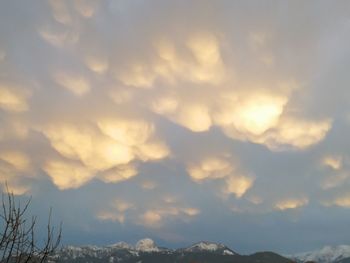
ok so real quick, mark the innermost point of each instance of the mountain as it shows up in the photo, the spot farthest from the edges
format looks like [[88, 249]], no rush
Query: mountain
[[209, 247], [328, 254], [146, 251]]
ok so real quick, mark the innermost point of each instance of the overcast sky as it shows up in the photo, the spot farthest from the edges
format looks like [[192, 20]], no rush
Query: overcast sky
[[181, 121]]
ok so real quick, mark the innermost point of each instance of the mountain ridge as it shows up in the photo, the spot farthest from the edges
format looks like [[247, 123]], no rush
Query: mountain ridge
[[327, 254], [146, 251]]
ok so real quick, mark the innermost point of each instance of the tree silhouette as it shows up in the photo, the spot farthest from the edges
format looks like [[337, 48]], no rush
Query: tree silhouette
[[18, 242]]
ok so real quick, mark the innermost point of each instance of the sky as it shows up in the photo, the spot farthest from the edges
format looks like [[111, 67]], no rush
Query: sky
[[181, 120]]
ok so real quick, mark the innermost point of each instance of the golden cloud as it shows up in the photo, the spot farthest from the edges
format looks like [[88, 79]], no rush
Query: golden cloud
[[151, 219], [105, 151], [195, 117], [127, 131], [342, 201], [210, 168], [14, 172], [334, 162], [12, 98], [19, 160], [251, 114], [238, 185], [204, 65], [137, 75], [118, 174], [206, 50], [299, 133], [291, 203], [87, 145], [66, 174], [155, 218]]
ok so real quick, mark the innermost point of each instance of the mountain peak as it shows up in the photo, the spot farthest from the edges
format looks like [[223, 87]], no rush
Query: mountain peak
[[146, 245], [210, 247]]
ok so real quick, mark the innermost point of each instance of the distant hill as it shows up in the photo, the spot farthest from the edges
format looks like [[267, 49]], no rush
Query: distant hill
[[146, 251]]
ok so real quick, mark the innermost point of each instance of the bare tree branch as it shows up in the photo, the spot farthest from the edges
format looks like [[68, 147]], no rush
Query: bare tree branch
[[17, 234]]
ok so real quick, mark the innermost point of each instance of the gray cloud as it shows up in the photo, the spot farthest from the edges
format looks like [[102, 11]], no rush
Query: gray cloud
[[165, 118]]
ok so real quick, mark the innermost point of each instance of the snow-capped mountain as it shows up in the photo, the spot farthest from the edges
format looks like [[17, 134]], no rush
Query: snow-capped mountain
[[146, 245], [146, 251], [327, 254], [210, 247]]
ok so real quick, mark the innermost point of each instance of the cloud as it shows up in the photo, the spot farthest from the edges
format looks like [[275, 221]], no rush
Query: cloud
[[129, 132], [151, 219], [86, 8], [251, 114], [72, 82], [88, 146], [67, 175], [137, 134], [210, 168], [156, 218], [121, 207], [337, 171], [334, 180], [149, 185], [109, 216], [230, 103], [203, 64], [153, 216], [118, 174], [15, 171], [334, 162], [341, 201], [12, 98], [224, 168], [194, 117], [18, 160], [110, 152], [58, 37], [238, 185], [97, 63], [61, 12], [300, 133], [292, 203]]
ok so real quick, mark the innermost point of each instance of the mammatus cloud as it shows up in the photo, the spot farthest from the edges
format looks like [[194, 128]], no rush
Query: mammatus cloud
[[154, 217], [171, 97], [107, 149], [223, 167], [74, 83]]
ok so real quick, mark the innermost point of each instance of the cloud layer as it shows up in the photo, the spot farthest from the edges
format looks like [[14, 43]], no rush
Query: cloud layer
[[184, 104]]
